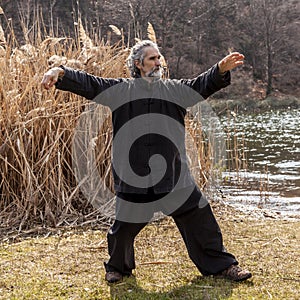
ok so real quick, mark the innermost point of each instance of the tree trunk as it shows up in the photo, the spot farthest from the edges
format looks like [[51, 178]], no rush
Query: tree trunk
[[269, 68]]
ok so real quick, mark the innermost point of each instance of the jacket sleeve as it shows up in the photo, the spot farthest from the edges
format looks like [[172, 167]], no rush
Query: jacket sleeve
[[84, 84], [208, 82]]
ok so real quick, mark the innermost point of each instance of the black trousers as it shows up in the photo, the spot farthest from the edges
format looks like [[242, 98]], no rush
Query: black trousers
[[199, 230]]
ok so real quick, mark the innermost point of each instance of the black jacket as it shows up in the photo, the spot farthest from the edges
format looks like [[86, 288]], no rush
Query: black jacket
[[148, 119]]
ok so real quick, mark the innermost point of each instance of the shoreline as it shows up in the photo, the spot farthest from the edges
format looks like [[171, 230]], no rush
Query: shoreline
[[252, 106], [251, 212]]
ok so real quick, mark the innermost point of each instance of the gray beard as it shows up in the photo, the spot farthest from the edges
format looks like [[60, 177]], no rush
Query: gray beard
[[155, 73]]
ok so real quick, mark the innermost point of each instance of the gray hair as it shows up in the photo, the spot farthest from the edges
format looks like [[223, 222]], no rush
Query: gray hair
[[137, 53]]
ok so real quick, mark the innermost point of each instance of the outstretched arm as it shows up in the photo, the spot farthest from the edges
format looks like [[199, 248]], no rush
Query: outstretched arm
[[217, 77], [230, 62], [77, 82]]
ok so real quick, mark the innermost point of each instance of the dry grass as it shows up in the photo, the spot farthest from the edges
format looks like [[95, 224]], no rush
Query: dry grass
[[69, 263], [38, 186]]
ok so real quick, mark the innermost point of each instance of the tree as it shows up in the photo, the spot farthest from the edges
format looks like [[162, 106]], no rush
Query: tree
[[265, 37]]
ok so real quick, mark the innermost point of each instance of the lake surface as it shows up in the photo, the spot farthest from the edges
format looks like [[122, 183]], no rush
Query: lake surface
[[263, 166]]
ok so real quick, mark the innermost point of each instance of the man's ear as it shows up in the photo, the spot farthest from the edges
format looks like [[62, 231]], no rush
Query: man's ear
[[137, 64]]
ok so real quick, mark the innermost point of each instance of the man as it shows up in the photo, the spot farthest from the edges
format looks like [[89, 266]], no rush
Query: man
[[173, 191]]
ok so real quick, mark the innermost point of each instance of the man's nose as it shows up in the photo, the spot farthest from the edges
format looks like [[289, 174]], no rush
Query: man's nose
[[157, 62]]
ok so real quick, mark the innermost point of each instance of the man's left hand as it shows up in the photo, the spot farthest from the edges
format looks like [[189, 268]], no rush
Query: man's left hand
[[230, 62]]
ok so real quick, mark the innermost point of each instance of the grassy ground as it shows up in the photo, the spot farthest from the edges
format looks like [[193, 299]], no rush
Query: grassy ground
[[69, 263]]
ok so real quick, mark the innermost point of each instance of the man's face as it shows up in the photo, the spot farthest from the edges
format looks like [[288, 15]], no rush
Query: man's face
[[150, 66]]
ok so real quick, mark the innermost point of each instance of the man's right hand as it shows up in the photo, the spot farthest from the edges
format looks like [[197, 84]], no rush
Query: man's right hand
[[51, 77]]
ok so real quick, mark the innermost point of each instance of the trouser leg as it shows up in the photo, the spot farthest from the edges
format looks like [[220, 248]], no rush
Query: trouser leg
[[120, 238], [203, 238], [121, 235]]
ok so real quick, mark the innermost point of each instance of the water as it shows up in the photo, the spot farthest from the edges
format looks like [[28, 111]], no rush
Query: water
[[268, 147]]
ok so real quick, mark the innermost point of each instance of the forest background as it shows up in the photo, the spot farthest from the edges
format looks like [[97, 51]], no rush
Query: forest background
[[193, 35]]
